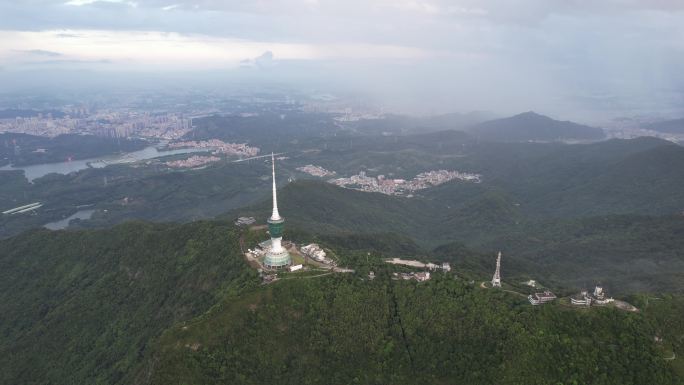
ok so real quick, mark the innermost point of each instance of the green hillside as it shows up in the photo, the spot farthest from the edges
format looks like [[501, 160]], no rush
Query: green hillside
[[639, 176], [345, 330], [629, 253], [176, 304], [83, 307]]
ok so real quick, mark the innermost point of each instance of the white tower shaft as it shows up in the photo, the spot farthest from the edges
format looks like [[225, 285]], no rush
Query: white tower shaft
[[274, 215], [276, 245], [496, 280]]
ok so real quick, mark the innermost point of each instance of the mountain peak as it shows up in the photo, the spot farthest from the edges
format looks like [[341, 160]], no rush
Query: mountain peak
[[531, 126], [530, 113]]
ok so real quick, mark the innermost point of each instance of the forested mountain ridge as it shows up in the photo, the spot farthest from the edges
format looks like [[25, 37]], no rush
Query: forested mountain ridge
[[530, 126], [638, 176], [176, 304], [343, 329]]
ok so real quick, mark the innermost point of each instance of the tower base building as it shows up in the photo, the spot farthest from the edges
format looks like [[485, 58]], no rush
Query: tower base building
[[277, 256]]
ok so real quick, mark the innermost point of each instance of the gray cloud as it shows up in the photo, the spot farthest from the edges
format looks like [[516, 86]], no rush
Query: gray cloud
[[570, 57], [265, 60], [39, 52]]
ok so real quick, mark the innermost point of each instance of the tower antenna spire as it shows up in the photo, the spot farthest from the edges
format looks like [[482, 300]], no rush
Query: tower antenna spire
[[275, 215]]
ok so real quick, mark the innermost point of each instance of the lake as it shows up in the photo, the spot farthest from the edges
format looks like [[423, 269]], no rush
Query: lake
[[38, 170], [64, 223]]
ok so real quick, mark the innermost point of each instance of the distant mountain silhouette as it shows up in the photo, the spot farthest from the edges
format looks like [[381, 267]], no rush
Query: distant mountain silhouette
[[530, 126], [405, 124], [675, 126]]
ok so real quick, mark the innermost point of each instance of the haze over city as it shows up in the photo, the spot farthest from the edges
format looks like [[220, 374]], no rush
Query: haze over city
[[582, 60], [342, 192]]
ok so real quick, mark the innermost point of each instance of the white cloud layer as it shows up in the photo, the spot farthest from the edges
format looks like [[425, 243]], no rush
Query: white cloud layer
[[616, 55], [174, 51]]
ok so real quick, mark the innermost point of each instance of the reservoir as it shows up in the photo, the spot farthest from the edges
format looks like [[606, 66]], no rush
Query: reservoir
[[38, 170], [64, 223]]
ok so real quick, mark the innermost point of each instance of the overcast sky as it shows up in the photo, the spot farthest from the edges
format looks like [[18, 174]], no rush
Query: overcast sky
[[576, 59]]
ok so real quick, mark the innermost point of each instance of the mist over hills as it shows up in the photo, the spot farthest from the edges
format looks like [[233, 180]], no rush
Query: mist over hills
[[675, 126], [530, 126], [278, 126], [403, 124]]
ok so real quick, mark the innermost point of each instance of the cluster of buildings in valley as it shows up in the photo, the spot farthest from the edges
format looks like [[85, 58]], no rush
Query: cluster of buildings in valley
[[401, 186], [348, 114], [630, 128], [434, 178], [315, 170], [116, 124], [219, 147], [192, 162]]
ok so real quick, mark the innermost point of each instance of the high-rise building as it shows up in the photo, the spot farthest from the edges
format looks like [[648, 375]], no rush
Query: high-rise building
[[496, 280], [277, 256]]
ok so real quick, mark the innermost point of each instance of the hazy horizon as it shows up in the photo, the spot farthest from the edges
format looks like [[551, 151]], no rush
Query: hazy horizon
[[571, 60]]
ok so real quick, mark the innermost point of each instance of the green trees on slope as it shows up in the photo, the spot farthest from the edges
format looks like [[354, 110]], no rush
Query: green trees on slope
[[83, 307], [345, 330]]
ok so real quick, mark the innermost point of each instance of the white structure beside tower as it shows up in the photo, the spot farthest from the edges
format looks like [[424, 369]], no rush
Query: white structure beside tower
[[496, 280]]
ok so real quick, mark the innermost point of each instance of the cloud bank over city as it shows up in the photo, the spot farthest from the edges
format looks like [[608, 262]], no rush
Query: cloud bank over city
[[575, 58]]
